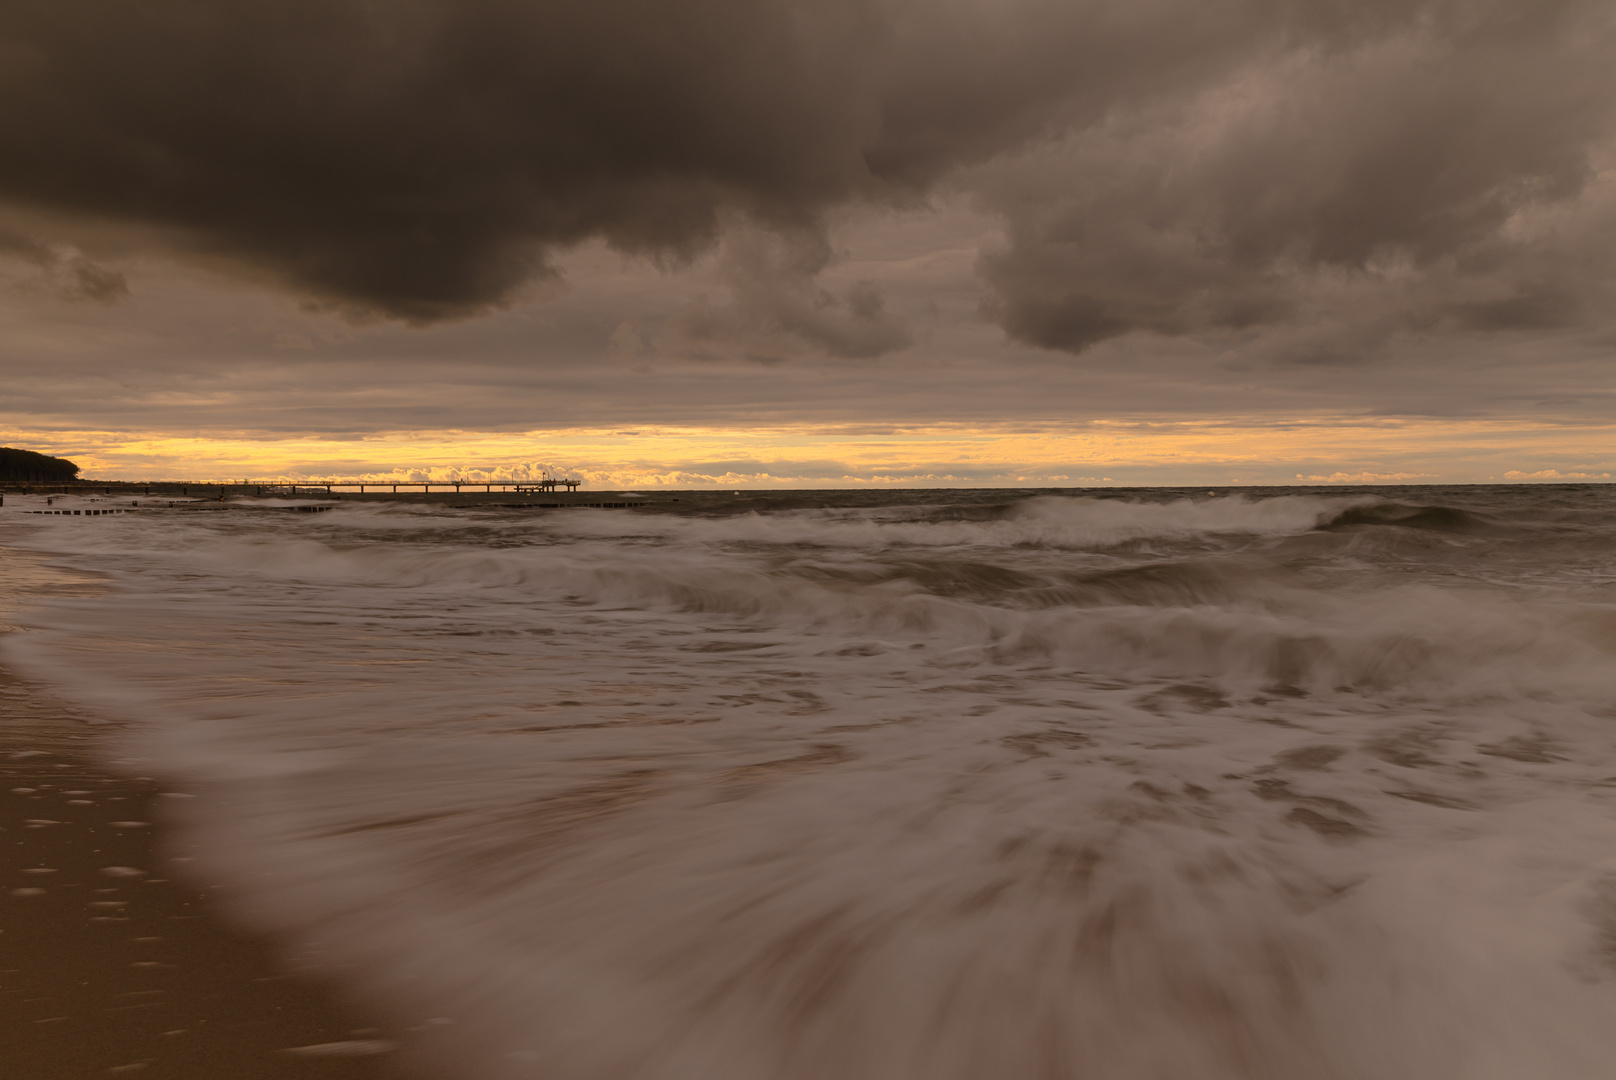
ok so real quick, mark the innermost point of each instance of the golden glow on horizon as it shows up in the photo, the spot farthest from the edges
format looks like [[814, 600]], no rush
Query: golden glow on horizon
[[1139, 451]]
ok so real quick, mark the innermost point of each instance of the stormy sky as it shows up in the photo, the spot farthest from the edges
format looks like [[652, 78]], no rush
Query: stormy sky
[[763, 241]]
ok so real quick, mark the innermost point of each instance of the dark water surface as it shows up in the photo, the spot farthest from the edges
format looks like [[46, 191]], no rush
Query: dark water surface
[[1127, 785]]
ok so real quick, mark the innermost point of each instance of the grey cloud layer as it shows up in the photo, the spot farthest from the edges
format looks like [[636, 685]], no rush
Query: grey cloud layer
[[1412, 180], [69, 276], [777, 302], [1163, 165]]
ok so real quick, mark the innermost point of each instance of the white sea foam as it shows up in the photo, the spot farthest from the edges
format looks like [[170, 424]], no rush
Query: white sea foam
[[1298, 787]]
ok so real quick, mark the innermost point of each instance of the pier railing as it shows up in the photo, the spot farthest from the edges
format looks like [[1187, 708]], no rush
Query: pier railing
[[364, 486]]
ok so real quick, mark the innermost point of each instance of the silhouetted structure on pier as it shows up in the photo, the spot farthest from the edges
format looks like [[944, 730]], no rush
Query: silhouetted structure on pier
[[27, 467]]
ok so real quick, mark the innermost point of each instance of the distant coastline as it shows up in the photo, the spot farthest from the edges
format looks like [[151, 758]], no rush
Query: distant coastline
[[27, 466]]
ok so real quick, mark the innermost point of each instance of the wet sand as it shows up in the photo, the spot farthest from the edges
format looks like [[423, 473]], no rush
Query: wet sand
[[112, 960]]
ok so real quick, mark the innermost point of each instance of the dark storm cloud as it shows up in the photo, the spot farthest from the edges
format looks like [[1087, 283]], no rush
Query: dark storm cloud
[[418, 157], [423, 158]]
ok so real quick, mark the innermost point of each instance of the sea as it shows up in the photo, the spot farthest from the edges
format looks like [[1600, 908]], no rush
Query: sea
[[1263, 784]]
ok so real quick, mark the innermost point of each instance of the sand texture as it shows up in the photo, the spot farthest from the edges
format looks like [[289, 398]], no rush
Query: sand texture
[[111, 962]]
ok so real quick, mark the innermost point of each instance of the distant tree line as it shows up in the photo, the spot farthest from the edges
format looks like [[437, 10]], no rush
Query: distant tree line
[[27, 466]]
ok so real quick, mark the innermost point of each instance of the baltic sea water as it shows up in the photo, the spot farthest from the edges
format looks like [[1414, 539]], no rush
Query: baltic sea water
[[1124, 785]]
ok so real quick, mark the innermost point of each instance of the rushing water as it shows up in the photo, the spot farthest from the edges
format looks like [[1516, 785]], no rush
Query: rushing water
[[921, 786]]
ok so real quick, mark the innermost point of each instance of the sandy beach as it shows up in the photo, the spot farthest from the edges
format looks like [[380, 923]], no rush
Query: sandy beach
[[112, 961]]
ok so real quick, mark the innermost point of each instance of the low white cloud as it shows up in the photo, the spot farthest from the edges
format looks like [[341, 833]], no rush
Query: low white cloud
[[1555, 474], [1363, 478]]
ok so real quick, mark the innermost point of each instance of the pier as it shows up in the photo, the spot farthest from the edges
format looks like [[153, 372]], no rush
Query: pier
[[309, 486]]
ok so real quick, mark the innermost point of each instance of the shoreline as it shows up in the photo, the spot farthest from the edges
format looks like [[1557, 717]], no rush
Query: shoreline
[[112, 962]]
